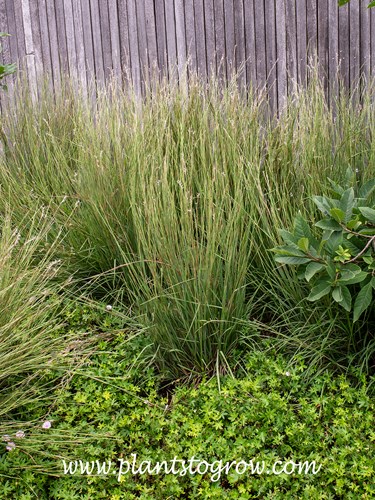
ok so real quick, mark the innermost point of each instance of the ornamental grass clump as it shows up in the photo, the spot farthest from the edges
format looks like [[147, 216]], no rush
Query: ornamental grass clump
[[169, 204], [32, 339]]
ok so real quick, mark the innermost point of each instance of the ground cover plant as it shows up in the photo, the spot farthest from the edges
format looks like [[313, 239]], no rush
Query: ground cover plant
[[266, 414], [37, 350], [162, 214], [30, 297]]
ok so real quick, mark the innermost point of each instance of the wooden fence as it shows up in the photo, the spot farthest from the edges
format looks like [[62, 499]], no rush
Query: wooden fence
[[264, 40]]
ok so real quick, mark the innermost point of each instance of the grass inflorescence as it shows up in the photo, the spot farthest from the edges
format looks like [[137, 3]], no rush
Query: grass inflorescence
[[170, 205]]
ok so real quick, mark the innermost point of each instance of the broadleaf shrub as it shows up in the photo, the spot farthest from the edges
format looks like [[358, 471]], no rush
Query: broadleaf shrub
[[336, 256]]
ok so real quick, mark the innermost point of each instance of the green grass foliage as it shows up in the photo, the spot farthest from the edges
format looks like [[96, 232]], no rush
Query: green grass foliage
[[32, 338], [170, 205]]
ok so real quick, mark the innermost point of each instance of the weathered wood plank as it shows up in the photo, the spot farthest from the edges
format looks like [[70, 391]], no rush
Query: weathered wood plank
[[312, 30], [106, 39], [270, 17], [302, 40], [240, 45], [29, 47], [124, 41], [181, 40], [191, 47], [12, 30], [20, 33], [200, 38], [344, 44], [61, 37], [251, 66], [133, 45], [142, 42], [44, 36], [260, 43], [229, 38], [354, 45], [372, 28], [10, 50], [365, 49], [54, 43], [88, 41], [333, 47], [97, 42], [291, 45], [171, 39], [209, 16], [13, 47], [220, 40], [323, 44], [161, 37], [70, 41], [4, 42], [4, 55], [80, 45], [114, 28], [152, 50], [263, 41], [282, 85]]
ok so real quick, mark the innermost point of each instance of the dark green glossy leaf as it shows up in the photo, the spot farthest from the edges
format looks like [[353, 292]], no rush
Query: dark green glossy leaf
[[347, 203], [321, 289], [291, 260], [368, 213], [329, 224], [346, 301], [358, 278], [337, 214], [362, 302], [312, 269], [367, 189]]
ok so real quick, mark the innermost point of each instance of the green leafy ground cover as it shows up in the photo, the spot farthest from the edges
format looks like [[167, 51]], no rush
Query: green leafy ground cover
[[267, 413]]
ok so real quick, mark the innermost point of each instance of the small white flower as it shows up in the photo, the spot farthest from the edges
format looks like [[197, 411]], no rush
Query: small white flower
[[20, 434], [46, 425], [6, 438], [287, 374], [357, 170], [108, 307], [11, 446]]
